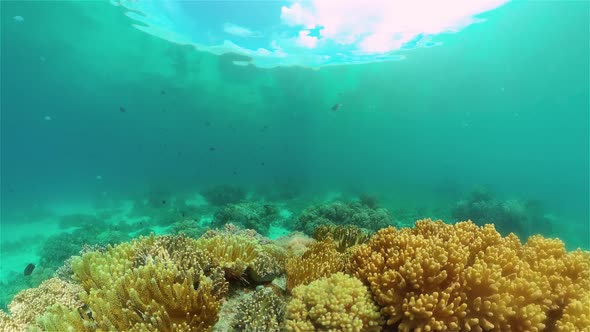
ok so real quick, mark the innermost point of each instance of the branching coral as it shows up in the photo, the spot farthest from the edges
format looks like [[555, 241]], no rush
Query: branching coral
[[33, 302], [263, 311], [467, 278], [335, 303], [321, 259], [338, 213]]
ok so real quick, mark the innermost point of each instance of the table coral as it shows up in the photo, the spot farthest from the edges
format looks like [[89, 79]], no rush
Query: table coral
[[462, 277], [336, 303]]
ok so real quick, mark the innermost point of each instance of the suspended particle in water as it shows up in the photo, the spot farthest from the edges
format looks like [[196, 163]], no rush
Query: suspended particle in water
[[19, 19], [47, 118], [99, 177]]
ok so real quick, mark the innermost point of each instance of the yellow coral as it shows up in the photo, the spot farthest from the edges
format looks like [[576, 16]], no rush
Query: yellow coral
[[152, 297], [576, 316], [335, 303], [321, 259], [150, 284], [344, 236], [232, 253], [463, 277]]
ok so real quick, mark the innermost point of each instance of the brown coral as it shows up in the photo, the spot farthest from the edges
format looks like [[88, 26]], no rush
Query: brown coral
[[335, 303], [467, 278]]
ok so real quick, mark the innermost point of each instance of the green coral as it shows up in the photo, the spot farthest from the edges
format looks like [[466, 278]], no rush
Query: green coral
[[252, 215], [339, 213]]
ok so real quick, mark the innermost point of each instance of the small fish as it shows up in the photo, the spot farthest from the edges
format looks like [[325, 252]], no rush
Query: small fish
[[212, 149], [47, 118], [19, 19], [163, 201], [122, 109], [163, 92], [29, 269], [336, 107], [262, 163], [235, 173], [208, 124]]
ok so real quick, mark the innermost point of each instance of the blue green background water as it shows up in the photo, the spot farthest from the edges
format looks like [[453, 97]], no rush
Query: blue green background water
[[503, 104]]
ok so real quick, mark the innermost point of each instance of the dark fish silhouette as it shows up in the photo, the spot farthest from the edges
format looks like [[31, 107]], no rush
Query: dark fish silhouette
[[163, 92], [212, 149], [336, 107], [29, 269], [122, 109]]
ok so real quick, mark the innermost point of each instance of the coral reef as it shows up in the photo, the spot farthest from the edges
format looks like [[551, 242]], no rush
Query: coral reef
[[430, 277], [464, 277], [524, 218], [345, 236], [262, 311], [242, 255], [154, 283], [249, 215], [189, 227], [295, 243], [338, 213], [30, 303], [321, 259], [336, 303], [223, 194]]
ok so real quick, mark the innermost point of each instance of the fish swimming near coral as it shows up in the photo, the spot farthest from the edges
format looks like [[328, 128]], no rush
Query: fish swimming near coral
[[29, 269]]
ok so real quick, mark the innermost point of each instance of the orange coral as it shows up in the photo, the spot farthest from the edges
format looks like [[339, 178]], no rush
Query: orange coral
[[463, 277]]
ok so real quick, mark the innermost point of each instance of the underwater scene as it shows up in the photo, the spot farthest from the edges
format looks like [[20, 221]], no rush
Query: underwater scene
[[290, 165]]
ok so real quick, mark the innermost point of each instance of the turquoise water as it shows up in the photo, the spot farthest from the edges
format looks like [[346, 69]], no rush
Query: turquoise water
[[98, 115]]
